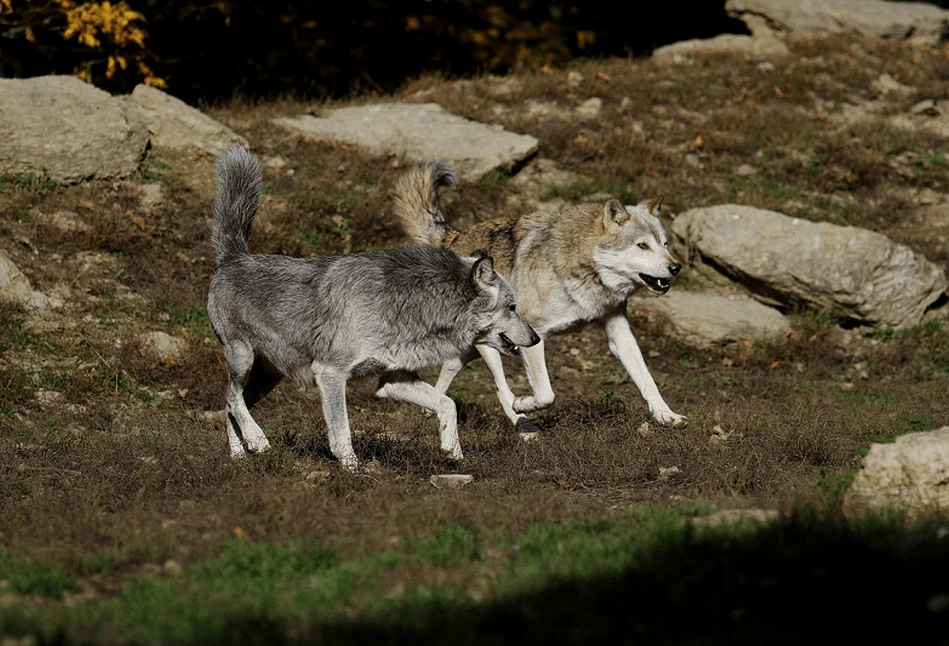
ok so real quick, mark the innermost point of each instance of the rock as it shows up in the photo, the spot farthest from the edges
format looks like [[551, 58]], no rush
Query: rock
[[910, 474], [590, 109], [67, 128], [16, 288], [420, 132], [704, 320], [783, 261], [451, 480], [679, 52], [886, 84], [917, 22], [668, 472], [64, 221], [166, 347], [736, 517], [172, 123], [152, 196]]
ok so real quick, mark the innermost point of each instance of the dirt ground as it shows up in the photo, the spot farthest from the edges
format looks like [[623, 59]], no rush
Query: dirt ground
[[111, 450]]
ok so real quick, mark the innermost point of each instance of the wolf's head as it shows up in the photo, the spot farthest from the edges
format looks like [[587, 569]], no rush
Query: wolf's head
[[633, 248], [495, 307]]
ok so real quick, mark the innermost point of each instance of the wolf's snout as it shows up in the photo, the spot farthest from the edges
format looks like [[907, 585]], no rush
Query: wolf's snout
[[674, 268]]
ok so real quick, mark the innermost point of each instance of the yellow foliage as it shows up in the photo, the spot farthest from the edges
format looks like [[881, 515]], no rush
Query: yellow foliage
[[111, 28], [90, 20]]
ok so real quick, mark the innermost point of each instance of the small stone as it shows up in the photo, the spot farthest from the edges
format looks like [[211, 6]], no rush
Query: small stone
[[668, 472], [451, 480], [317, 477], [530, 436], [172, 567], [644, 429]]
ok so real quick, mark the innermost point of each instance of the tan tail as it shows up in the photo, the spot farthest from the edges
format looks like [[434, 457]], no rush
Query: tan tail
[[416, 203]]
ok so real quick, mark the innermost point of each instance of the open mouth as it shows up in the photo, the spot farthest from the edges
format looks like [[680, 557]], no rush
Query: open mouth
[[657, 285], [507, 346]]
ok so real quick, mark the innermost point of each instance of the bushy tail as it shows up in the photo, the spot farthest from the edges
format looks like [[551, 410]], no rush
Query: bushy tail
[[239, 182], [416, 203]]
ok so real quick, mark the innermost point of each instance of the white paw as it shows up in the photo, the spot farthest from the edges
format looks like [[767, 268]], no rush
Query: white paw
[[454, 453], [350, 463], [668, 418], [258, 444]]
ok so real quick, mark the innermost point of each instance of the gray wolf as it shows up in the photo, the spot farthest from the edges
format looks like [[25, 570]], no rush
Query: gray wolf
[[327, 319], [579, 263]]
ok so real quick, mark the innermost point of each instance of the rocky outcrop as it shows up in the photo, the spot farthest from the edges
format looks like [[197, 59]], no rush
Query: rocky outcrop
[[420, 132], [910, 474], [67, 128], [172, 123], [918, 22], [784, 261]]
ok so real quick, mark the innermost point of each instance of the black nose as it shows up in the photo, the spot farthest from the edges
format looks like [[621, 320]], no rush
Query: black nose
[[535, 339], [674, 268]]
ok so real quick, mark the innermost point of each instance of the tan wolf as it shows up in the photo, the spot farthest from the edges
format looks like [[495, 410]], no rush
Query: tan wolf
[[579, 263]]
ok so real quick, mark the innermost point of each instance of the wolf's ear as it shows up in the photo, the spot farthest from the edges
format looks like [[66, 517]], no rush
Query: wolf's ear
[[614, 213], [655, 207], [482, 272]]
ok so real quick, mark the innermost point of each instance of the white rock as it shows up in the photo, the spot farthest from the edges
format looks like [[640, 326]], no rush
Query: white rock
[[911, 474]]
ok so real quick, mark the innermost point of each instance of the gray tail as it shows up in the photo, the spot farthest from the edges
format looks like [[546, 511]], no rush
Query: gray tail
[[239, 182], [416, 203]]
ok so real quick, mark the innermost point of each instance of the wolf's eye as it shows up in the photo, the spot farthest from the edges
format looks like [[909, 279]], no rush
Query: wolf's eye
[[643, 245]]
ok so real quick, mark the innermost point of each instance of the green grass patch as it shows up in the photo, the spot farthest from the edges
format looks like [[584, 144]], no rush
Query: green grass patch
[[37, 183], [580, 581]]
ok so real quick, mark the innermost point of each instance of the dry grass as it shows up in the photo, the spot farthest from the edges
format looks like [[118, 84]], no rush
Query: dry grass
[[111, 452]]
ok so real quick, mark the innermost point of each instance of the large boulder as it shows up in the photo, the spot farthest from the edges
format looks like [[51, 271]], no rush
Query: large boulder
[[785, 261], [67, 128], [910, 474], [705, 320], [419, 132], [918, 22], [172, 123]]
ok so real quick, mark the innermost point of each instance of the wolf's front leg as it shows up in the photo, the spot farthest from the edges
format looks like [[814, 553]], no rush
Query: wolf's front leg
[[543, 393], [623, 344], [332, 385], [407, 387]]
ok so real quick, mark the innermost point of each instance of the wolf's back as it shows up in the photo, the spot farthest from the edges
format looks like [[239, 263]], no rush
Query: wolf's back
[[417, 207], [239, 182]]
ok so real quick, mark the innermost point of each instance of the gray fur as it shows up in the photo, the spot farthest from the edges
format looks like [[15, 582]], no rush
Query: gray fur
[[328, 319]]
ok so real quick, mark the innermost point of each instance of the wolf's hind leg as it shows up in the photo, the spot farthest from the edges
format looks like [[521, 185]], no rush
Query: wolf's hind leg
[[239, 357], [539, 379], [332, 385], [407, 387]]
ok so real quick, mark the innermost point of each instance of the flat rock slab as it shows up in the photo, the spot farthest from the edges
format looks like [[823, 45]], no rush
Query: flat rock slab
[[420, 132], [172, 123], [911, 473], [705, 320], [785, 261], [67, 128], [451, 480], [917, 22]]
